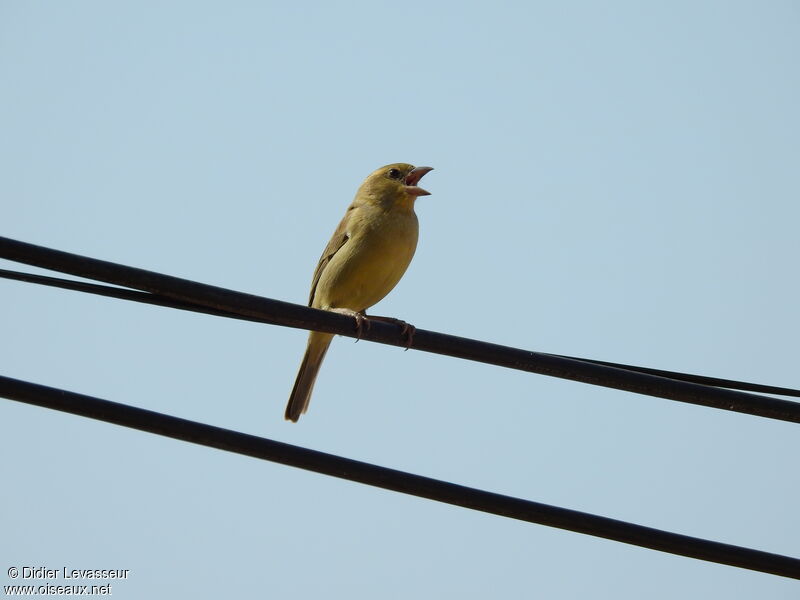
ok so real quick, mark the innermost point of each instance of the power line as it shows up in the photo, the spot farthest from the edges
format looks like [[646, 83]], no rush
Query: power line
[[398, 481], [127, 294], [295, 315], [155, 299], [701, 379]]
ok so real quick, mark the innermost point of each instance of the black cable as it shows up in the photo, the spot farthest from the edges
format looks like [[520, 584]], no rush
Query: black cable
[[148, 298], [121, 294], [295, 315], [398, 481], [730, 384]]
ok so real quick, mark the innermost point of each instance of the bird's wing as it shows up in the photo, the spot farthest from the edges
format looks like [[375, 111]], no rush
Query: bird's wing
[[339, 239]]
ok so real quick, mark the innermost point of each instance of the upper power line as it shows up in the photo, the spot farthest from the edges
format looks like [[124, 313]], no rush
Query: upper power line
[[258, 308]]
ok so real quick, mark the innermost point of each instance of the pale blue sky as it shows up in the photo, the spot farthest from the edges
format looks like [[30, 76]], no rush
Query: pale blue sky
[[616, 180]]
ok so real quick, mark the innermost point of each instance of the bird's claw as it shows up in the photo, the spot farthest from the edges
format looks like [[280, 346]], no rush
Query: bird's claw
[[362, 322], [407, 330]]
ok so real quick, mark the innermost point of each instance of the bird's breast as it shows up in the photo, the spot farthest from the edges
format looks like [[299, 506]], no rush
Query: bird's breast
[[374, 258]]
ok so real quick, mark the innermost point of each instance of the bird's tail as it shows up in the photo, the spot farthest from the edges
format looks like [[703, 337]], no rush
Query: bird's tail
[[304, 384]]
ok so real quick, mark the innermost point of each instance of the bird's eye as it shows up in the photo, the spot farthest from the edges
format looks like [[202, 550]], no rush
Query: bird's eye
[[394, 173]]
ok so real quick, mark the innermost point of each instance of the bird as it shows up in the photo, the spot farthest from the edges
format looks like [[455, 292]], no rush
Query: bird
[[366, 257]]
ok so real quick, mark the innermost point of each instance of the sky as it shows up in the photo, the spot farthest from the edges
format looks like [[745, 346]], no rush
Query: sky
[[612, 180]]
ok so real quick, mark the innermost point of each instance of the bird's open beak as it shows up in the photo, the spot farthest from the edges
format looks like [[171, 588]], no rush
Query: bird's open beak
[[412, 179]]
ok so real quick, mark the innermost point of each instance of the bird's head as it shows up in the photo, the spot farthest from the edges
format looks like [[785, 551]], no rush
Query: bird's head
[[394, 184]]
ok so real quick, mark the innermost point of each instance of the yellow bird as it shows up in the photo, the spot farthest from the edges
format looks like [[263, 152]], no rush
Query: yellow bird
[[366, 257]]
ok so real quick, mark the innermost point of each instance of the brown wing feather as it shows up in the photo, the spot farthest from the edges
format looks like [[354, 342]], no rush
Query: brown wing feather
[[339, 239]]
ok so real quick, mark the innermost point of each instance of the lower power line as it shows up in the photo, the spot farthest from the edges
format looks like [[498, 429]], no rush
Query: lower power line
[[398, 481]]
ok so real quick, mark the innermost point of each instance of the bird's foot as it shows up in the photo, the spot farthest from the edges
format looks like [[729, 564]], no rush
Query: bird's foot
[[362, 322], [407, 330]]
